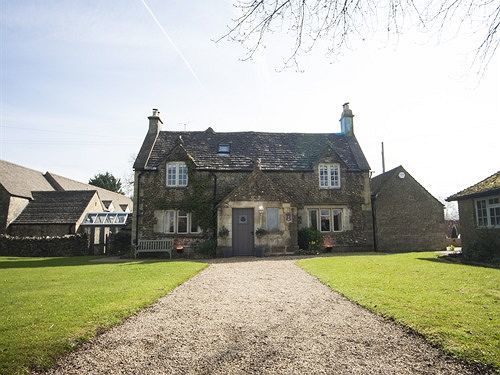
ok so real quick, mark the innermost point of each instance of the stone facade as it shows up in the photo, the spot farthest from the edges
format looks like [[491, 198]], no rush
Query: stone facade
[[303, 191], [264, 173], [407, 216]]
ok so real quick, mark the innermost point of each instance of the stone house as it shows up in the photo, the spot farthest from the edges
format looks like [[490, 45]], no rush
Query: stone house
[[479, 210], [46, 204], [252, 191], [406, 217]]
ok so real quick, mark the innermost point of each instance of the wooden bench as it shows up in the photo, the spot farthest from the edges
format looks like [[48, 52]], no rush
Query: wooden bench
[[155, 246]]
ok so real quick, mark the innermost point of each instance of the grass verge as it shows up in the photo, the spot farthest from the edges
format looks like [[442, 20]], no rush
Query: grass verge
[[50, 305], [454, 306]]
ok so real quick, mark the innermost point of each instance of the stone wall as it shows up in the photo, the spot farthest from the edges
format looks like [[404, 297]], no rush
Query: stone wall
[[408, 218], [301, 187], [469, 232]]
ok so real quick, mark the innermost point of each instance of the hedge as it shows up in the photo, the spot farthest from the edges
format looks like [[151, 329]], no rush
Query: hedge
[[70, 245]]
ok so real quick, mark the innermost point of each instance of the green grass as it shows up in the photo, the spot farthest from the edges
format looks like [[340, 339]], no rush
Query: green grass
[[49, 305], [455, 306]]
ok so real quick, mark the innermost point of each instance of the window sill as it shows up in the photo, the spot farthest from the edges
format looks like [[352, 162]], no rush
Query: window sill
[[329, 187]]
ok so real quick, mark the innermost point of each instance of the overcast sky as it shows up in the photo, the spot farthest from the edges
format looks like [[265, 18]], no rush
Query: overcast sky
[[79, 78]]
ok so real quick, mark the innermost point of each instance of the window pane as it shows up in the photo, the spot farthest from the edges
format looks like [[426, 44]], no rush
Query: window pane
[[272, 218], [171, 174], [337, 220], [325, 220], [182, 222], [323, 176], [313, 219], [183, 177], [170, 222], [195, 228], [334, 175]]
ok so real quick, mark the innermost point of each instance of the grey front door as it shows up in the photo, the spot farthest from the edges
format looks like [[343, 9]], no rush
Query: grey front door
[[243, 230]]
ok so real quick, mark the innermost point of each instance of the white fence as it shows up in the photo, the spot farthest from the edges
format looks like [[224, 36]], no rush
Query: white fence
[[155, 246]]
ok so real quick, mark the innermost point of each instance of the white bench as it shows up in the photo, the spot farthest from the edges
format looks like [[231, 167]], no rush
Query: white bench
[[155, 246]]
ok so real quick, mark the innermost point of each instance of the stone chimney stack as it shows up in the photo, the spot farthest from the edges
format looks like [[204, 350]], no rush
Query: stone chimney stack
[[346, 120], [155, 122]]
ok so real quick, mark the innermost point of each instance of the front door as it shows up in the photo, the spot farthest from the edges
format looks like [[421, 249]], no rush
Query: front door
[[243, 230]]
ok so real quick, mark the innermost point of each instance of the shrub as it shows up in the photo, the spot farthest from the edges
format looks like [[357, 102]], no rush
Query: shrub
[[206, 247], [486, 246], [310, 240], [120, 243], [60, 246]]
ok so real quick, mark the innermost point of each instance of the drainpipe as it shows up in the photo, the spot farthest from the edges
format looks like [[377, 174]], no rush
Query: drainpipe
[[374, 219], [214, 201], [136, 209]]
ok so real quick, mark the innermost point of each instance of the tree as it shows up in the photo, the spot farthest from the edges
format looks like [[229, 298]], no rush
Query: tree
[[337, 22], [107, 181]]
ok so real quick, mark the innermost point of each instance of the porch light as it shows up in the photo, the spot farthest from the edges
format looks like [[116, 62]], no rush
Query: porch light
[[261, 209]]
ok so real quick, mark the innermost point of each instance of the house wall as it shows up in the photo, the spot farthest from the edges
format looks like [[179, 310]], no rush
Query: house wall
[[281, 241], [4, 209], [469, 231], [408, 218], [303, 188]]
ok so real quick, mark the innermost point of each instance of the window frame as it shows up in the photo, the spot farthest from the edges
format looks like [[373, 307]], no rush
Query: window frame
[[325, 181], [486, 207], [177, 167], [175, 215], [268, 210], [333, 211]]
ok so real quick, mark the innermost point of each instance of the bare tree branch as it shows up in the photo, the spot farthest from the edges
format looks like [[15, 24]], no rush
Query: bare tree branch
[[337, 21]]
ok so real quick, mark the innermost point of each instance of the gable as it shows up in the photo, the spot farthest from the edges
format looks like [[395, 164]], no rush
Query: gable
[[257, 187]]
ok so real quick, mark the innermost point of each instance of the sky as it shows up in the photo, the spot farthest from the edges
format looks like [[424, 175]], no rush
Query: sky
[[78, 80]]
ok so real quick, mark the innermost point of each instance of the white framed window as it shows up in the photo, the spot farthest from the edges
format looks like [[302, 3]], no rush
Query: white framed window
[[177, 174], [180, 222], [325, 219], [488, 212], [272, 218], [329, 176]]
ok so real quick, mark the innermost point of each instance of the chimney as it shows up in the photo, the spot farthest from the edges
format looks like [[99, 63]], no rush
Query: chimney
[[154, 122], [346, 120]]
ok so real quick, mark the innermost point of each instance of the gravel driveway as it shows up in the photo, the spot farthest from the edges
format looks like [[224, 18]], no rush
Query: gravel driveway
[[256, 316]]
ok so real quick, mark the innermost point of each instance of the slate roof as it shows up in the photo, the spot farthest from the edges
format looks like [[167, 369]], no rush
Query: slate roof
[[489, 185], [55, 207], [21, 181], [106, 195], [277, 151]]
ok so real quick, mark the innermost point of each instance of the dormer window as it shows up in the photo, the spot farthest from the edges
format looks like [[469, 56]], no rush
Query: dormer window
[[329, 176], [177, 174], [224, 149]]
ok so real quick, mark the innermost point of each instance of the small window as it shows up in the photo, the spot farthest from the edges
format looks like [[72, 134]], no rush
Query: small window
[[224, 149], [329, 176], [272, 216], [177, 174]]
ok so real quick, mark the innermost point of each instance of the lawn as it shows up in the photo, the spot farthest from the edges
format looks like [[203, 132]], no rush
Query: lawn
[[455, 306], [49, 305]]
